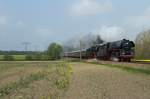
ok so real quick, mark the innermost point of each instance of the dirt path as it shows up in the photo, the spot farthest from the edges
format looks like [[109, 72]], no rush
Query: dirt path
[[100, 82]]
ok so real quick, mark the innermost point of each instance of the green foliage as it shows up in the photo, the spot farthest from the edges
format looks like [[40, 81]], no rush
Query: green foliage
[[38, 57], [8, 58], [54, 50], [64, 72], [28, 58], [19, 57], [1, 57]]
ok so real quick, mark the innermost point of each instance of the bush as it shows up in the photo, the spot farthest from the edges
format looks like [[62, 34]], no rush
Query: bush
[[8, 58], [28, 57], [37, 57]]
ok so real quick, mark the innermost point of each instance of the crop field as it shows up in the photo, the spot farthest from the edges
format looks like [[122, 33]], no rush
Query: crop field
[[73, 80], [33, 80], [16, 57]]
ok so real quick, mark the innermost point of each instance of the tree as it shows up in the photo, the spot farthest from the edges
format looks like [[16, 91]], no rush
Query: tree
[[54, 51], [38, 56], [8, 58], [142, 43], [28, 57]]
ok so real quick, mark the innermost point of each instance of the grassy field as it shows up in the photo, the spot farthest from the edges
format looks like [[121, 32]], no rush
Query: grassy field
[[38, 80], [16, 57]]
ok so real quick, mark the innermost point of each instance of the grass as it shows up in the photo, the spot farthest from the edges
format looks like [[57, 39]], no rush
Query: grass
[[142, 60], [64, 71], [4, 67], [22, 83], [1, 57], [16, 57], [125, 68], [57, 73], [19, 57]]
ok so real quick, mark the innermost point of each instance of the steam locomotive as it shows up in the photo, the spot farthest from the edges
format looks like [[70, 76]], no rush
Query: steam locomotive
[[122, 50]]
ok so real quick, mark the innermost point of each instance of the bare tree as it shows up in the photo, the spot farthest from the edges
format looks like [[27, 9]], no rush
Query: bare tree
[[143, 45]]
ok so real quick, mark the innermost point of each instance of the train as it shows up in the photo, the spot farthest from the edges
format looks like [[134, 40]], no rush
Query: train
[[122, 50]]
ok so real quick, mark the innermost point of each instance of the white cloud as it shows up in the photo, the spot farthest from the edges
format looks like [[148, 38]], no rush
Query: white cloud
[[90, 7], [140, 21], [111, 33], [44, 32]]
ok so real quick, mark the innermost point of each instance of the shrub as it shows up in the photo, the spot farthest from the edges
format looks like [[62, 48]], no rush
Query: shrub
[[37, 57], [8, 58], [28, 57]]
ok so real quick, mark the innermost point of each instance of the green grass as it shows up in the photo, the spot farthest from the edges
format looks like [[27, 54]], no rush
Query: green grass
[[1, 57], [125, 68], [19, 57], [141, 60], [16, 57]]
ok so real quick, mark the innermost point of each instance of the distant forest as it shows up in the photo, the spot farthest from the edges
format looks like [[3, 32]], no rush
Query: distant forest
[[19, 52]]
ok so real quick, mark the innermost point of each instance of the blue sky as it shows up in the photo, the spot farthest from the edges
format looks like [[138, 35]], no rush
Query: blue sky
[[41, 22]]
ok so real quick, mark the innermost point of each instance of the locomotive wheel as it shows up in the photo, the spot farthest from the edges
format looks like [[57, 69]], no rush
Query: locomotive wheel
[[125, 60], [129, 60]]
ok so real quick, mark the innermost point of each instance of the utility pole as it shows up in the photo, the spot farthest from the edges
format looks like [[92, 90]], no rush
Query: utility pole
[[80, 50], [26, 44]]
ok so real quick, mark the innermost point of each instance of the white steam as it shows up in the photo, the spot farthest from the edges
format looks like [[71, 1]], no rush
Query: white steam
[[111, 33]]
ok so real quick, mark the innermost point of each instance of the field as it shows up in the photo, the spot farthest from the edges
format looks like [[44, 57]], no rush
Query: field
[[16, 57], [36, 80], [73, 80]]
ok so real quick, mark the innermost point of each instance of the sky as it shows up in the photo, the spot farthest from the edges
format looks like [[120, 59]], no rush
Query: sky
[[41, 22]]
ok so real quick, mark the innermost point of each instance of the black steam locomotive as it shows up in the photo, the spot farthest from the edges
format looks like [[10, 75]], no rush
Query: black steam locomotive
[[122, 50]]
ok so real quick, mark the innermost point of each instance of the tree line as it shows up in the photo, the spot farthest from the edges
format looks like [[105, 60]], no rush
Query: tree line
[[18, 52], [53, 52]]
